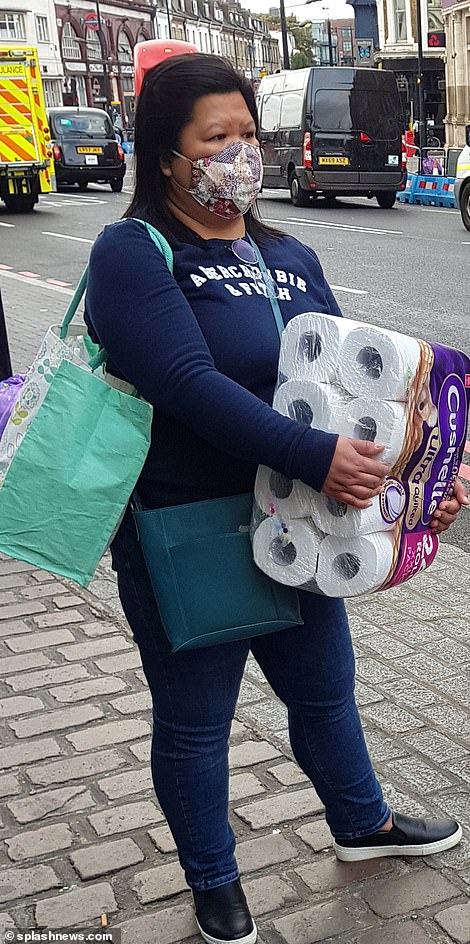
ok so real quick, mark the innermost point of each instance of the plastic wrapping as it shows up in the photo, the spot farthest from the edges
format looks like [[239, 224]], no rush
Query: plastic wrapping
[[365, 383]]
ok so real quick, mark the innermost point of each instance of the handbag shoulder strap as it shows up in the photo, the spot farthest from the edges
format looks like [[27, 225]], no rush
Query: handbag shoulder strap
[[273, 300]]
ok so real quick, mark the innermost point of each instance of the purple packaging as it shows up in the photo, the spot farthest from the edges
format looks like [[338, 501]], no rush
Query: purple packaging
[[425, 472], [9, 392]]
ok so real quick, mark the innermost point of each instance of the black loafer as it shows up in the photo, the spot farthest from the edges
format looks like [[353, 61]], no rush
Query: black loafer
[[223, 915], [408, 836]]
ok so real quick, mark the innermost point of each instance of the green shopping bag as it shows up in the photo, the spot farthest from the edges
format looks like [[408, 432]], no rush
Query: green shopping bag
[[73, 474]]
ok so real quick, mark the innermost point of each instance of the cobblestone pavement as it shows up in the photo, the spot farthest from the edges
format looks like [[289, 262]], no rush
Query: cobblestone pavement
[[82, 834]]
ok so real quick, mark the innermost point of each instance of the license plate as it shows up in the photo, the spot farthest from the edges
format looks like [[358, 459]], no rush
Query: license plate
[[341, 161], [91, 158], [89, 150]]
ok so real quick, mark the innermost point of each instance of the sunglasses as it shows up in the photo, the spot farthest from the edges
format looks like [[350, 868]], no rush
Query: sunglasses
[[244, 252]]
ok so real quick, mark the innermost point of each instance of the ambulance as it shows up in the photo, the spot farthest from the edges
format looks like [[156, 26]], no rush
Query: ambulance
[[26, 158]]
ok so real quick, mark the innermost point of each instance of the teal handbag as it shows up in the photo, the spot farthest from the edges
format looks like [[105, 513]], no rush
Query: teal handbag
[[200, 562]]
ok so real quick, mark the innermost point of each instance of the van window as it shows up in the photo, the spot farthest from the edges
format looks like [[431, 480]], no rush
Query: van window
[[291, 110], [332, 110], [377, 112], [271, 113]]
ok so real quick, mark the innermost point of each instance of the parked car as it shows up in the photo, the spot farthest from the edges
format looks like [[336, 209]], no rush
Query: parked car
[[85, 148], [462, 181], [334, 131]]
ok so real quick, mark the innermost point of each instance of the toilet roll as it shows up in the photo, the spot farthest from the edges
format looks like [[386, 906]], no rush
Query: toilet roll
[[338, 518], [313, 404], [289, 558], [348, 567], [381, 421], [374, 362], [290, 498], [310, 347]]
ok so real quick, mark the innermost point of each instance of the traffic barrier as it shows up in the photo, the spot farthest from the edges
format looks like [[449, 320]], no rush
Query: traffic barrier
[[429, 191]]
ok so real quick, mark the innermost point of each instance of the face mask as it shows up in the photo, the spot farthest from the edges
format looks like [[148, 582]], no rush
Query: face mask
[[227, 183]]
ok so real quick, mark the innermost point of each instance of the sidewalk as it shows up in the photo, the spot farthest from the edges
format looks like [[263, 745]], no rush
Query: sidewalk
[[82, 835]]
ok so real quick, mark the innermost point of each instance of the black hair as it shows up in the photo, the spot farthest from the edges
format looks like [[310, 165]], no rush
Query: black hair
[[165, 106]]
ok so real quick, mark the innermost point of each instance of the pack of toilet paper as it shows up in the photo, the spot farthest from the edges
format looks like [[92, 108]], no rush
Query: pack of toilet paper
[[368, 383]]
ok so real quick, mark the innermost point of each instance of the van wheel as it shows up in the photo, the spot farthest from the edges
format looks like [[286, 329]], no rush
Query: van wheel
[[299, 197], [116, 184], [83, 185], [465, 206], [387, 199], [20, 202], [330, 199]]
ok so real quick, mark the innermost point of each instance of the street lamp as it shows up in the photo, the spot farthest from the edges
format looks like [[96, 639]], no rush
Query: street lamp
[[419, 82]]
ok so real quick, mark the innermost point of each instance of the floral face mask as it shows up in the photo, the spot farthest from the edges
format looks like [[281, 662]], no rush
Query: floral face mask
[[227, 183]]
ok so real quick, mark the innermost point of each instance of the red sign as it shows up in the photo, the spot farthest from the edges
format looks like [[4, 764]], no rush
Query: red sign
[[92, 21], [436, 40]]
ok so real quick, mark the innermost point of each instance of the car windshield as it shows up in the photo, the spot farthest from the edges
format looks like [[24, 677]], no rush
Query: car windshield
[[89, 126]]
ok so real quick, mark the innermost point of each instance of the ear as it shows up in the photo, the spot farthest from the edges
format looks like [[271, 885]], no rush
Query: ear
[[165, 164]]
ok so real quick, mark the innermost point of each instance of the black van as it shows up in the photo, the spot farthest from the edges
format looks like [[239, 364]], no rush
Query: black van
[[85, 148], [334, 131]]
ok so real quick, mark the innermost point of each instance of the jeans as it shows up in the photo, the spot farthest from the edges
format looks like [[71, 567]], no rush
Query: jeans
[[194, 693]]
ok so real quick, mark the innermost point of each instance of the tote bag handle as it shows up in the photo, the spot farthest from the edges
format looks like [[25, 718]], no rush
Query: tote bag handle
[[273, 300]]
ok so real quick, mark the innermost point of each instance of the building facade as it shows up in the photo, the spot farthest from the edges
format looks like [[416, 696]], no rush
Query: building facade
[[35, 23], [365, 20], [457, 29], [398, 30]]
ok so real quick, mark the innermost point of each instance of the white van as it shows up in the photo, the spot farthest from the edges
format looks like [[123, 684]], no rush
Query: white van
[[462, 181]]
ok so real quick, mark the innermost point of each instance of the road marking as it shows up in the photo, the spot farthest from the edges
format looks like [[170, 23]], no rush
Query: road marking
[[345, 227], [7, 224], [78, 239], [58, 282], [351, 291], [465, 244], [4, 267], [38, 283], [30, 275]]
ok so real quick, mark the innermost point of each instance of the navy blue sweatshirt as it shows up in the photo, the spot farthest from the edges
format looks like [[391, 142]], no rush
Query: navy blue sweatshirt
[[202, 347]]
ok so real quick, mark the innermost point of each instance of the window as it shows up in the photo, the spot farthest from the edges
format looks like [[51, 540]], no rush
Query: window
[[52, 93], [271, 113], [93, 45], [70, 45], [42, 29], [332, 110], [291, 112], [69, 123], [125, 53], [11, 26], [399, 16]]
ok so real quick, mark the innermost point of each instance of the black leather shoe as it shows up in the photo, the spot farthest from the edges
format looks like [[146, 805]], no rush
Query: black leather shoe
[[223, 916], [408, 836]]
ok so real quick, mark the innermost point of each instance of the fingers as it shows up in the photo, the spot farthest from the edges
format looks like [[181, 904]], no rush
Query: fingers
[[460, 493], [349, 499], [378, 469], [366, 448]]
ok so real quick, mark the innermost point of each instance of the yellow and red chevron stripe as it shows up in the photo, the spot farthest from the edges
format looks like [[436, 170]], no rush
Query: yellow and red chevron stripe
[[16, 123]]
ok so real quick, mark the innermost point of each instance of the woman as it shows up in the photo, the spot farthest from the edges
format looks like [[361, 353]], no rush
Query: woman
[[202, 346]]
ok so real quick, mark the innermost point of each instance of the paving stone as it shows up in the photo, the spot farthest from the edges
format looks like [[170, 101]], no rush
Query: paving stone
[[51, 803], [13, 628], [141, 751], [449, 650], [76, 768], [161, 882], [359, 626], [249, 753], [307, 926], [392, 718], [407, 893], [69, 600], [21, 883], [136, 781], [280, 808], [99, 628], [130, 660], [269, 893], [8, 566], [58, 619], [132, 704], [36, 842], [456, 804], [249, 693], [365, 695], [168, 926], [436, 746], [386, 645], [460, 688], [21, 705], [39, 640], [288, 774], [163, 839], [420, 776], [26, 753], [76, 908], [121, 819], [328, 874], [46, 677], [461, 768], [374, 672], [30, 660], [383, 748], [97, 647], [26, 608], [102, 735], [9, 785], [94, 861], [244, 785], [410, 694], [435, 670], [452, 719], [396, 932], [45, 590], [56, 720], [12, 580], [256, 854], [456, 922], [69, 694], [376, 611], [317, 835], [417, 633], [42, 576], [268, 715], [6, 924], [404, 802]]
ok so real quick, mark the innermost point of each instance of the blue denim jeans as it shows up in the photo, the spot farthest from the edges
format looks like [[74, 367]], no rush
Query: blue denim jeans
[[310, 668]]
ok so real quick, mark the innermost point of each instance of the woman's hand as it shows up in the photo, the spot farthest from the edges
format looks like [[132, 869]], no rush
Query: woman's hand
[[355, 474], [448, 510]]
